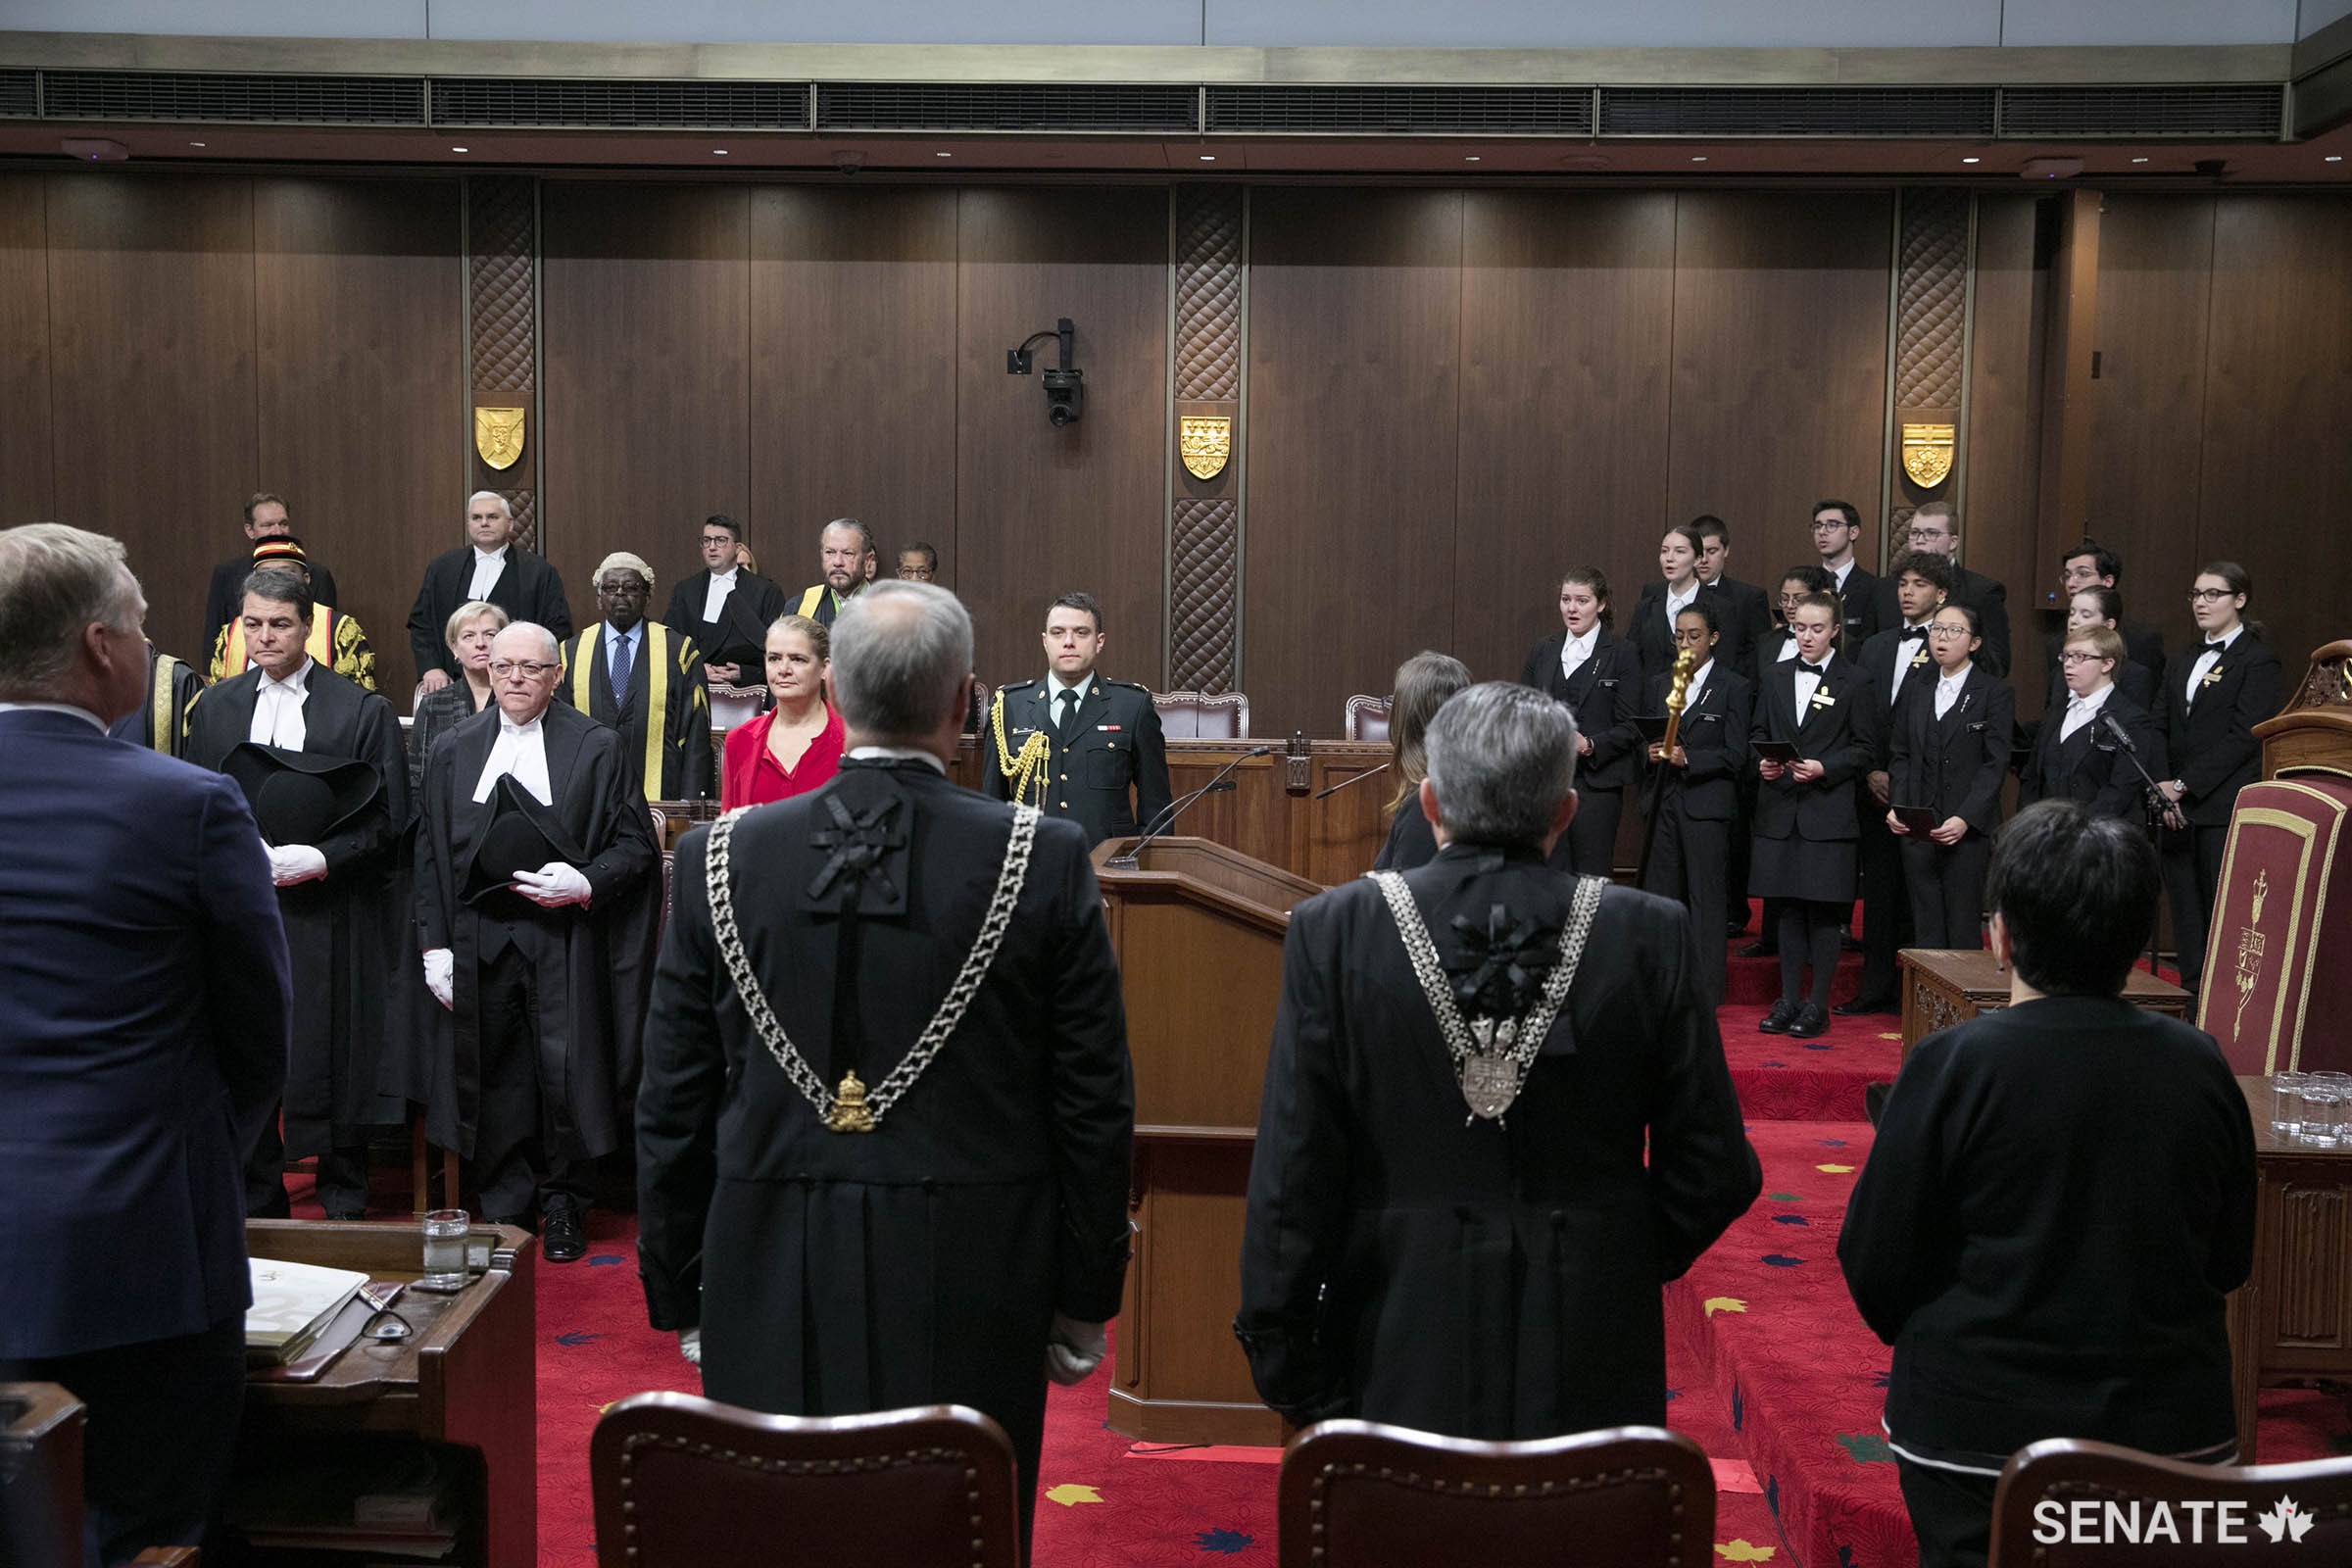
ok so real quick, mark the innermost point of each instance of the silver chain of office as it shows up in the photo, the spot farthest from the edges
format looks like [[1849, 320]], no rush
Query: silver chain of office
[[1012, 875]]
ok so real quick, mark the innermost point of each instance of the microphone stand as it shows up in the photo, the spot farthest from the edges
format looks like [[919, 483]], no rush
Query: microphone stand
[[1352, 778], [1175, 808], [2158, 806]]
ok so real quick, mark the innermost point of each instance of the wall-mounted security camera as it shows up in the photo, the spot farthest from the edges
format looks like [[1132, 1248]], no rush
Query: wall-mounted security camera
[[1066, 386]]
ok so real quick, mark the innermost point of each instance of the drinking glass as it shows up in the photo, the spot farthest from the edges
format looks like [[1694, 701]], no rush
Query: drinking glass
[[2324, 1109], [2287, 1103], [445, 1233]]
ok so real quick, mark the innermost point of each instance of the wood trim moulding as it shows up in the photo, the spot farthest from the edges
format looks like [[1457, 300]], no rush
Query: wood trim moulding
[[1146, 64]]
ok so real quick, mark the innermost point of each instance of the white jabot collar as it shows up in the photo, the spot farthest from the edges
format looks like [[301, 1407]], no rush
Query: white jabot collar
[[901, 754]]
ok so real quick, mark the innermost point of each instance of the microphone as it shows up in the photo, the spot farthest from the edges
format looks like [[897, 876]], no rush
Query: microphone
[[1166, 817], [2160, 810], [2123, 736]]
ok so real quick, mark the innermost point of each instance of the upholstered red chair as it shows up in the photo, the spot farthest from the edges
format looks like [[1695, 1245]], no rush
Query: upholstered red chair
[[1359, 1494], [2066, 1473], [683, 1482], [1369, 720], [1202, 715]]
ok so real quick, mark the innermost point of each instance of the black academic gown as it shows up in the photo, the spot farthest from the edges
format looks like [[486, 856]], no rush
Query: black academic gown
[[1487, 1280], [528, 589], [683, 770], [161, 722], [593, 964], [1111, 779], [739, 636], [833, 1273], [344, 935]]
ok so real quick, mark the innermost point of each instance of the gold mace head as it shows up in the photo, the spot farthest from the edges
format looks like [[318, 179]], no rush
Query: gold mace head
[[1686, 664]]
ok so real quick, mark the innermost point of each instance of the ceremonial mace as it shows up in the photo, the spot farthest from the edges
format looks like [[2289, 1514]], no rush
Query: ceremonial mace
[[1678, 695]]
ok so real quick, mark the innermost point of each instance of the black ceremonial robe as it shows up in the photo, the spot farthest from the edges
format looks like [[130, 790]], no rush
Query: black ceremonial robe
[[593, 964], [833, 1273], [678, 766], [739, 636], [344, 933], [1483, 1281], [161, 722]]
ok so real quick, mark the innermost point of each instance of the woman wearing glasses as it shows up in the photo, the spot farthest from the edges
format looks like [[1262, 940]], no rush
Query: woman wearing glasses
[[2102, 607], [2077, 754], [1950, 754], [2215, 692]]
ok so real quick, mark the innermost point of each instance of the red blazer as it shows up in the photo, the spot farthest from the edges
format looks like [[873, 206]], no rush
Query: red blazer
[[751, 777]]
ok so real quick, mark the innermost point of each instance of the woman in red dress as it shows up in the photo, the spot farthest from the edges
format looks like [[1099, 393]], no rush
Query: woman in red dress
[[795, 747]]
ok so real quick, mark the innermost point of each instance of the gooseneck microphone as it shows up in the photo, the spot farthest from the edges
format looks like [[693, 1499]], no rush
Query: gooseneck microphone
[[1166, 817]]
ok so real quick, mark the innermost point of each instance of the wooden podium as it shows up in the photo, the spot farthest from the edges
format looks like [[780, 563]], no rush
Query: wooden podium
[[1198, 929]]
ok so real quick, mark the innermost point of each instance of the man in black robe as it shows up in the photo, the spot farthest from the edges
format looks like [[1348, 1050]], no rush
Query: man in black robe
[[1493, 1275], [161, 721], [726, 608], [321, 762], [538, 904], [956, 1231], [624, 668], [490, 567]]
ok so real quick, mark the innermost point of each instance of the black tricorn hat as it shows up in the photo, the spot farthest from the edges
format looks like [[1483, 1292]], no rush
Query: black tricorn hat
[[521, 835], [302, 797]]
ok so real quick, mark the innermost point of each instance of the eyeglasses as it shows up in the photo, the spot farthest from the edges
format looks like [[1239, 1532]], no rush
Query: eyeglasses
[[502, 667], [1923, 536], [2208, 596], [1825, 524], [1941, 628], [2075, 656]]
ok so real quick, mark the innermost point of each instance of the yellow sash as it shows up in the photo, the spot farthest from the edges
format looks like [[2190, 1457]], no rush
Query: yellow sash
[[811, 600], [319, 646], [657, 683], [163, 724]]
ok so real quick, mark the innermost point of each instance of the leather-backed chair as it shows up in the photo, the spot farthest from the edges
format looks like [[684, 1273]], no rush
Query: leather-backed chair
[[683, 1482], [1369, 720], [1202, 715], [2065, 1471], [1357, 1493]]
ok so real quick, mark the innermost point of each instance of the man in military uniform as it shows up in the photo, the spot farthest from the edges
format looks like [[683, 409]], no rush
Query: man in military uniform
[[1076, 743], [884, 1125]]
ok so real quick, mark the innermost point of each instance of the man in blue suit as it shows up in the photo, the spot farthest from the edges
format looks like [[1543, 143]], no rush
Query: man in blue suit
[[143, 1035]]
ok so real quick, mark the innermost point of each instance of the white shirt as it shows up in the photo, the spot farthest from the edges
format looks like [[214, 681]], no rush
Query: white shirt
[[1807, 682], [899, 754], [521, 751], [1675, 607], [1838, 575], [715, 597], [635, 638], [1054, 707], [278, 710], [487, 564], [2206, 659], [1905, 652], [1787, 651], [1698, 684], [1574, 651], [1948, 689], [2081, 710], [53, 707]]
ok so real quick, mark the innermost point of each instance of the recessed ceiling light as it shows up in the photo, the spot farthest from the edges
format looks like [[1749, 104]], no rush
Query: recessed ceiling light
[[719, 152], [942, 155], [457, 149], [1972, 160], [1699, 158], [195, 144], [2140, 160], [1470, 158], [1208, 158], [2333, 158]]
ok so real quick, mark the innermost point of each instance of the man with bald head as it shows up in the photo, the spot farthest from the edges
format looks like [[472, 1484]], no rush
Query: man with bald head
[[625, 669], [490, 568], [845, 546], [538, 896]]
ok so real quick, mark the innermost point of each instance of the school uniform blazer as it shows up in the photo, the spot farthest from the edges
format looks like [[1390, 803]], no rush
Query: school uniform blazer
[[1979, 593], [1956, 764], [2089, 767], [1743, 615], [2133, 679], [1714, 738], [1601, 693], [1840, 729], [1654, 639], [1877, 659], [1860, 599], [2211, 742]]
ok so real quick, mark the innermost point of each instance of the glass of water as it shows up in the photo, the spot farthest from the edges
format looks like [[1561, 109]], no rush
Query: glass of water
[[2287, 1103], [445, 1233], [2324, 1109]]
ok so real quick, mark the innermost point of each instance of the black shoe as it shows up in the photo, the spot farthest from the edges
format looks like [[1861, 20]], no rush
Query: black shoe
[[1734, 928], [1810, 1022], [1848, 942], [1861, 1006], [562, 1238], [1760, 950], [1778, 1020]]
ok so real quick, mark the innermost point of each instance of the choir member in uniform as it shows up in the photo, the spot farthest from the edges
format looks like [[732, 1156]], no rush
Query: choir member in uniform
[[1936, 528], [1597, 674], [1741, 611], [626, 669], [161, 721], [1837, 526], [1807, 818], [1778, 647], [2215, 692], [472, 627], [1077, 744], [490, 565], [1949, 751], [1897, 664], [1423, 683], [1653, 630], [1494, 1274], [2076, 756], [796, 746], [1690, 851], [2092, 565], [2103, 606], [726, 608]]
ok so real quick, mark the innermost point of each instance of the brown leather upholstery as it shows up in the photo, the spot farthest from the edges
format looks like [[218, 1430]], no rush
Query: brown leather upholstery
[[682, 1481], [2066, 1472], [1369, 720], [1202, 715], [40, 1474], [1359, 1493]]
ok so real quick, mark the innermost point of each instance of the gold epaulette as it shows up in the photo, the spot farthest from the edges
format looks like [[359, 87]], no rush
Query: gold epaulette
[[1030, 768]]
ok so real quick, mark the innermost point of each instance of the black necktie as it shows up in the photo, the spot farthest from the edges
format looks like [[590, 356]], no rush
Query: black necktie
[[1067, 726]]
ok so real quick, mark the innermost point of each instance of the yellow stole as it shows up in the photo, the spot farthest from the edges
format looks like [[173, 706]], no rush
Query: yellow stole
[[163, 724], [657, 692]]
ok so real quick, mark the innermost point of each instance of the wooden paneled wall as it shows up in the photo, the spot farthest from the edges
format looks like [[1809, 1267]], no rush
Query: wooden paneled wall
[[1451, 395]]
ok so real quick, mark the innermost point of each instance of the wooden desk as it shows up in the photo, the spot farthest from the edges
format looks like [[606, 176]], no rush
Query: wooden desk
[[466, 1378], [1945, 986], [2292, 1318]]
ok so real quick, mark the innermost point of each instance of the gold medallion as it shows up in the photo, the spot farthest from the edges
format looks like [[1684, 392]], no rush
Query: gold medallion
[[498, 435], [850, 1113], [1928, 454], [1205, 444]]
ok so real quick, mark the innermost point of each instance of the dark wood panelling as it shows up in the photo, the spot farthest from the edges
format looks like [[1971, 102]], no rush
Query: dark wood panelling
[[1780, 366], [360, 411], [853, 372], [26, 495], [2277, 482], [152, 370], [2004, 401], [1567, 332], [2148, 403], [1039, 511], [645, 331], [1355, 371]]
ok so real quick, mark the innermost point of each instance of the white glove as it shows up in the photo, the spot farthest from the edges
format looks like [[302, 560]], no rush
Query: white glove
[[1073, 1350], [690, 1345], [290, 864], [440, 971], [554, 885]]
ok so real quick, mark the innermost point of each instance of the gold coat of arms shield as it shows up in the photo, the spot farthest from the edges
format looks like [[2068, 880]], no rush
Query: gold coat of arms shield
[[498, 435], [1928, 454], [1204, 443]]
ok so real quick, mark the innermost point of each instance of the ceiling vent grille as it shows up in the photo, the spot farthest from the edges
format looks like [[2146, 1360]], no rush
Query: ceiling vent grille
[[2188, 110], [1403, 111], [1796, 112], [19, 95], [1005, 106], [232, 99], [480, 102]]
